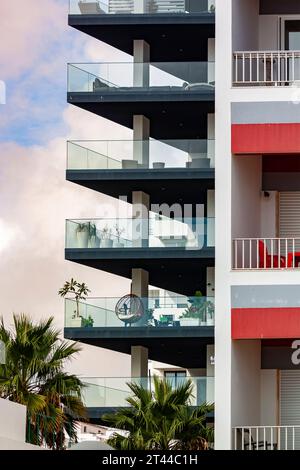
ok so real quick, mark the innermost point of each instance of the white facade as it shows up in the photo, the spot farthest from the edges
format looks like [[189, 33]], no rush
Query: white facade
[[13, 427], [245, 394]]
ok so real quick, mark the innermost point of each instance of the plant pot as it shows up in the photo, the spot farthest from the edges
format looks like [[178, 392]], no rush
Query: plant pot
[[106, 243], [158, 165], [94, 242], [199, 163], [119, 245], [210, 322], [76, 322], [82, 239], [129, 164]]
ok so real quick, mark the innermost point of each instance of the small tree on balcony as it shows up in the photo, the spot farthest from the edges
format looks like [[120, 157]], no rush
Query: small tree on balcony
[[78, 290]]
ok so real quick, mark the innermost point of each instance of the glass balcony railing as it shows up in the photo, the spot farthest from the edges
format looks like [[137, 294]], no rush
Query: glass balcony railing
[[134, 311], [155, 232], [164, 77], [112, 392], [116, 7], [139, 154]]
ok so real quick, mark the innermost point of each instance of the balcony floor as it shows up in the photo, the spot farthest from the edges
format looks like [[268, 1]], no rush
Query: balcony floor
[[95, 414], [174, 269], [170, 185], [170, 36], [177, 114]]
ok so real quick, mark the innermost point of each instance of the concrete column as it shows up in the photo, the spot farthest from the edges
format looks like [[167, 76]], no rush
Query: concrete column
[[140, 216], [141, 133], [140, 287], [141, 67], [246, 383], [140, 282], [140, 6], [211, 139], [210, 218], [198, 154], [210, 372], [211, 60], [210, 281], [139, 361]]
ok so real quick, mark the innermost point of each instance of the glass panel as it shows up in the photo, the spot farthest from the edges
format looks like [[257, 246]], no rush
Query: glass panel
[[139, 154], [128, 76], [156, 232], [111, 312], [96, 7], [113, 391]]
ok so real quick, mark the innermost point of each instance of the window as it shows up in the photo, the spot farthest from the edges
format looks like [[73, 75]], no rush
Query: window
[[292, 35], [175, 378]]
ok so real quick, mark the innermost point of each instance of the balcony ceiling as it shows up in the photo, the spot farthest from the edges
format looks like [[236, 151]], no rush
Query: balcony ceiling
[[171, 37], [173, 115], [184, 346], [174, 185], [174, 269]]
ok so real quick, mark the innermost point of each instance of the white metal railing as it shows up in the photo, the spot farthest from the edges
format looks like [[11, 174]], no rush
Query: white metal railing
[[266, 438], [263, 68], [266, 253]]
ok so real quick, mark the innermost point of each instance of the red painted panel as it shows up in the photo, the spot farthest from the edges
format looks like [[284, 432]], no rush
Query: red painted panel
[[260, 139], [258, 323]]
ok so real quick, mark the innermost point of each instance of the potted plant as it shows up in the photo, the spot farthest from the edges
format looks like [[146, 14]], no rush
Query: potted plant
[[82, 233], [94, 241], [195, 314], [79, 291], [87, 322], [119, 231], [106, 240]]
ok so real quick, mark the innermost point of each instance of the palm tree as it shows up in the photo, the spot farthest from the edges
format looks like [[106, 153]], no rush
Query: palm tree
[[34, 375], [79, 290], [161, 420]]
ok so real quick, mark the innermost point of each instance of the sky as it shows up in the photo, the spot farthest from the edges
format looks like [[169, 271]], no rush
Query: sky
[[35, 123]]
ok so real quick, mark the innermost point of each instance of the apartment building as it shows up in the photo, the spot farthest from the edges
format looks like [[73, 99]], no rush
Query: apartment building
[[215, 137], [257, 224], [165, 93]]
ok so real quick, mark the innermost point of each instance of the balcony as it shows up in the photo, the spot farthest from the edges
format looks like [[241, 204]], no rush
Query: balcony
[[151, 7], [158, 324], [136, 77], [171, 170], [171, 312], [266, 438], [266, 253], [140, 154], [105, 394], [168, 93], [156, 233], [168, 26], [175, 252], [266, 68]]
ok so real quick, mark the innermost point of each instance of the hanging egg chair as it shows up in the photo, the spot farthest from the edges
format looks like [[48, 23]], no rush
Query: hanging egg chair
[[129, 308]]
